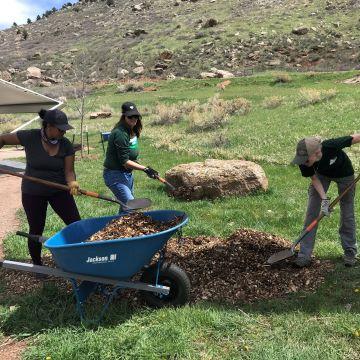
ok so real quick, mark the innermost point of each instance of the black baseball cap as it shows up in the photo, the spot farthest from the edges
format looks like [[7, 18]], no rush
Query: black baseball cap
[[129, 109], [56, 118]]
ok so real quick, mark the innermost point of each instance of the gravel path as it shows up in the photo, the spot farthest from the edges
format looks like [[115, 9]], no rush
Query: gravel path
[[10, 202]]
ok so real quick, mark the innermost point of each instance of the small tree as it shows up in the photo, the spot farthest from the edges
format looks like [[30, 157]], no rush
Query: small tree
[[25, 34], [38, 18], [29, 21], [81, 104], [14, 24], [110, 2], [53, 10]]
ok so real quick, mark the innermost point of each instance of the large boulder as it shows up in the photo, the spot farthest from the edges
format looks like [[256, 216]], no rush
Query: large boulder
[[216, 178], [33, 72]]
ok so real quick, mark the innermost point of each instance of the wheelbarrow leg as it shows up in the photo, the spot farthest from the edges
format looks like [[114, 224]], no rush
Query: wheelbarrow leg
[[82, 293]]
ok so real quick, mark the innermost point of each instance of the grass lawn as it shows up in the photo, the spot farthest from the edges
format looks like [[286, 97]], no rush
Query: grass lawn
[[301, 326]]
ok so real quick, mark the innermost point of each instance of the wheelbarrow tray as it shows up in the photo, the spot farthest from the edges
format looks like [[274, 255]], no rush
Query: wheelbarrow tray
[[116, 259]]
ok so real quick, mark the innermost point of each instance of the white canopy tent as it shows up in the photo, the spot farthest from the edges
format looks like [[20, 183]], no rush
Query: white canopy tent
[[16, 99]]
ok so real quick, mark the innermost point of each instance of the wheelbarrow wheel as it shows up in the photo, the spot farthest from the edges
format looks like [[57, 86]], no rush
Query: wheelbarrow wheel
[[172, 276]]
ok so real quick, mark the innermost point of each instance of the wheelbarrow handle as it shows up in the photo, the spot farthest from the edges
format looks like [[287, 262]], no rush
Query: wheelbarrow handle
[[37, 238]]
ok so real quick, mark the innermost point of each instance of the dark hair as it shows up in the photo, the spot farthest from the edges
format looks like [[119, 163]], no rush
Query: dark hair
[[42, 114], [137, 128]]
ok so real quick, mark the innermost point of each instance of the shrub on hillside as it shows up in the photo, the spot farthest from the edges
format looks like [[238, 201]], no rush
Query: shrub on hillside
[[272, 102], [131, 86], [313, 96], [282, 78], [167, 114], [212, 119], [188, 106], [238, 106]]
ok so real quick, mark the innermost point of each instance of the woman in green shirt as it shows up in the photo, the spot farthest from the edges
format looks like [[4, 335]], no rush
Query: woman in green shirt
[[122, 153]]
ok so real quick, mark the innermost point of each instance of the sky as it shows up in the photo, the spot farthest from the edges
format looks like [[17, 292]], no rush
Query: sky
[[20, 10]]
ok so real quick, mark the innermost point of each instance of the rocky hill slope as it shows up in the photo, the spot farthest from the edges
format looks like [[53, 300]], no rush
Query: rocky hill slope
[[131, 38]]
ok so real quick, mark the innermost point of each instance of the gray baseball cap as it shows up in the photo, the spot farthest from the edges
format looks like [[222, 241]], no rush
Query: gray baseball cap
[[305, 148]]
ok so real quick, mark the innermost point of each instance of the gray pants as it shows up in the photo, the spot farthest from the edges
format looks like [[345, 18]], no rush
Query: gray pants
[[347, 216]]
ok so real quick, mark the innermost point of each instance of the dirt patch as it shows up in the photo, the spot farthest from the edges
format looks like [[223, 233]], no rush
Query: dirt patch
[[10, 202], [11, 349], [11, 153]]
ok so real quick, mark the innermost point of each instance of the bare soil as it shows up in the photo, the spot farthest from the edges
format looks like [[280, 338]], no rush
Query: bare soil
[[10, 202]]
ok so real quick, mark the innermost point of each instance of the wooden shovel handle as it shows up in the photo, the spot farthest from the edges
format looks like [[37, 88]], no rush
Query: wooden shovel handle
[[172, 187]]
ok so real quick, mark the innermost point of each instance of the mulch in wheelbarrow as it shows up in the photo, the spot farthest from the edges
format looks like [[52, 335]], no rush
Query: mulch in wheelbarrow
[[227, 270], [135, 224]]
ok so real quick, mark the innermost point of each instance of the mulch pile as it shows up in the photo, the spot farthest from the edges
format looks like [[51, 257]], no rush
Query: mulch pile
[[132, 225], [234, 269], [229, 269]]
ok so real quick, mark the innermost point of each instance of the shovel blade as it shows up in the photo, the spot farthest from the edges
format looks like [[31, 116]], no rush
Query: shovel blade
[[136, 204], [281, 255]]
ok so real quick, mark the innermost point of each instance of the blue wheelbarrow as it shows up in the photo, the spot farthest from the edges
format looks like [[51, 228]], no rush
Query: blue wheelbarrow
[[92, 266]]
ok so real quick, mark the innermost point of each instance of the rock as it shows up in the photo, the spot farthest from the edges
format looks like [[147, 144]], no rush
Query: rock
[[51, 79], [216, 178], [49, 63], [207, 75], [33, 72], [12, 70], [225, 74], [275, 62], [171, 76], [45, 83], [36, 56], [302, 30], [122, 72], [5, 75], [138, 63], [100, 114], [31, 82], [138, 70], [137, 7], [210, 23], [222, 73], [138, 32], [161, 65]]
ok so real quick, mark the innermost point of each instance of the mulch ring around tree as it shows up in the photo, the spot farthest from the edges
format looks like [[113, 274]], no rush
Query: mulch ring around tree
[[228, 270]]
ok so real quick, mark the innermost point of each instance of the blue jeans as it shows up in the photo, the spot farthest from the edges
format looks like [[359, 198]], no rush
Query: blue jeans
[[121, 183]]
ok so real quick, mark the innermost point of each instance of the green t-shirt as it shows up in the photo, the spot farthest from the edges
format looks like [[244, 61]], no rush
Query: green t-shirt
[[334, 162], [121, 148]]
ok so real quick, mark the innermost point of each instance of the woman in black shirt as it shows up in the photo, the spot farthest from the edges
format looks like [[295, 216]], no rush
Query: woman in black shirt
[[49, 156]]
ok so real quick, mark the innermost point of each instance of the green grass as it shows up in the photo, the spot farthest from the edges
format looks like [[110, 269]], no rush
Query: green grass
[[300, 326]]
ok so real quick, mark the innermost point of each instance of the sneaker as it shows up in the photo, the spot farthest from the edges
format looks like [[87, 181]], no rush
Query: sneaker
[[349, 260], [302, 262]]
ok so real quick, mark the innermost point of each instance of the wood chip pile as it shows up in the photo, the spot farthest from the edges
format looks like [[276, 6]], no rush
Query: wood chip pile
[[234, 269], [228, 270]]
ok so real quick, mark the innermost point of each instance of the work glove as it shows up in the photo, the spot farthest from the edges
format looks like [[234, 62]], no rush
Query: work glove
[[325, 203], [74, 188], [151, 173]]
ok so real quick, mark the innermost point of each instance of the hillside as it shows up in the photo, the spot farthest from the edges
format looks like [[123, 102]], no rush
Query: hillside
[[185, 38]]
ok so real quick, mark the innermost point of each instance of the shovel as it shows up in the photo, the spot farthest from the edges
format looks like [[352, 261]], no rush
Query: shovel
[[172, 187], [284, 254], [134, 204]]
